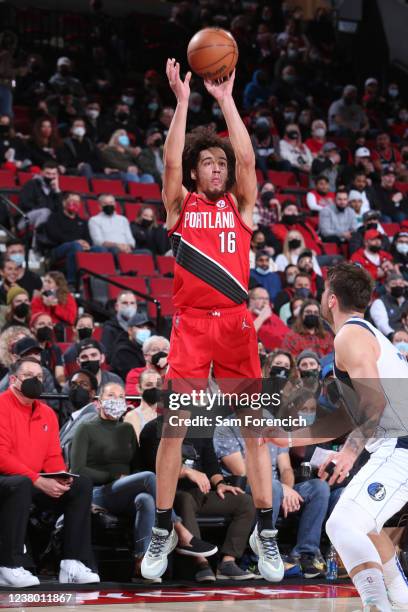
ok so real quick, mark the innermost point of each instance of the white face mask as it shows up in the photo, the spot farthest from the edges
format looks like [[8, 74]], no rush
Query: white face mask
[[79, 131], [320, 132], [114, 408], [93, 113], [402, 247]]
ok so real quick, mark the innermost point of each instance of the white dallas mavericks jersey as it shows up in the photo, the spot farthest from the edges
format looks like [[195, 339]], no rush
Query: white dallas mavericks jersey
[[393, 372]]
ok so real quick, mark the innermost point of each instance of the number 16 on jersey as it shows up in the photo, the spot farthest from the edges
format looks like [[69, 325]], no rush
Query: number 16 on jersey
[[227, 242]]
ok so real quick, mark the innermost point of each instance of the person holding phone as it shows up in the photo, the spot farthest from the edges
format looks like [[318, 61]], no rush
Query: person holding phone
[[56, 300], [29, 446]]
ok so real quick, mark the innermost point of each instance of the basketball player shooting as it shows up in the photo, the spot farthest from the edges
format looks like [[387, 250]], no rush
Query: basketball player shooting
[[366, 361], [209, 191]]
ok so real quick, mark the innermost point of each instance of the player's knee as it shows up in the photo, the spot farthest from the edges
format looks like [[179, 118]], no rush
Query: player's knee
[[348, 516]]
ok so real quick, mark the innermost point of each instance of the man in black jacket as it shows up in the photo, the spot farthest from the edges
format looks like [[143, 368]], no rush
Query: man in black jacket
[[127, 352], [79, 154], [390, 201], [41, 195], [69, 235], [116, 328]]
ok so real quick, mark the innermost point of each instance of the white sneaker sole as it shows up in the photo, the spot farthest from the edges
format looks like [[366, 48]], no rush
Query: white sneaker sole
[[238, 578], [24, 585], [187, 553], [145, 570], [277, 574]]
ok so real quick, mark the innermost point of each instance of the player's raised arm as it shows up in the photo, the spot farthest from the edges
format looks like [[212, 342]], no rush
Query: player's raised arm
[[173, 191], [246, 186]]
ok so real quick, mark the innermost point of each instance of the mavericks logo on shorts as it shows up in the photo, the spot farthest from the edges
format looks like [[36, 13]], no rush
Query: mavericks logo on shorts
[[376, 491]]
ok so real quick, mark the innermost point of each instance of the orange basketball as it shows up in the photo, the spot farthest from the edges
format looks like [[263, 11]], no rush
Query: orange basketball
[[212, 53]]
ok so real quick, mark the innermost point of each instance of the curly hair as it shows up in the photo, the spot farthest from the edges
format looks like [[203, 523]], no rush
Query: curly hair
[[8, 338], [196, 141]]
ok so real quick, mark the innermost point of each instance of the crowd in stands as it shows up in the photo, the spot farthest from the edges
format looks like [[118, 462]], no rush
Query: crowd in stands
[[332, 167]]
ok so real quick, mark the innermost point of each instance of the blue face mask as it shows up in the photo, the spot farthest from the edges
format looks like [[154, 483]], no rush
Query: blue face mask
[[262, 271], [402, 346], [124, 140], [141, 335], [18, 258], [308, 417]]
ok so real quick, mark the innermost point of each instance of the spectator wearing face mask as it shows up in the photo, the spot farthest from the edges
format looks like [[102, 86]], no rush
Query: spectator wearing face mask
[[292, 220], [371, 256], [127, 352], [258, 243], [150, 160], [269, 327], [400, 341], [41, 195], [18, 308], [346, 115], [121, 119], [371, 221], [306, 265], [150, 384], [116, 328], [321, 196], [91, 357], [109, 229], [301, 287], [148, 233], [290, 311], [399, 252], [265, 141], [390, 201], [120, 159], [317, 138], [385, 154], [279, 364], [30, 281], [79, 155], [386, 310], [13, 152], [399, 127], [327, 163], [42, 328], [197, 114], [294, 151], [308, 332], [82, 388], [84, 328], [93, 121], [155, 351], [63, 79], [309, 368], [338, 221], [262, 276], [362, 167], [268, 207], [44, 142]]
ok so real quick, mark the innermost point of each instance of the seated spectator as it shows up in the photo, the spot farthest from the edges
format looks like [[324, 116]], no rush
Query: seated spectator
[[265, 141], [268, 206], [65, 108], [293, 245], [93, 120], [201, 489], [399, 253], [150, 159], [29, 443], [371, 256], [321, 196], [165, 119], [346, 116], [124, 121], [79, 155], [386, 310], [390, 201], [127, 352], [362, 167], [42, 328], [338, 221], [294, 151], [56, 300], [115, 329], [84, 328], [7, 340], [268, 326], [150, 384], [279, 364], [310, 497], [18, 308], [110, 230], [306, 265], [293, 220], [8, 273], [385, 154], [257, 90], [44, 142], [327, 163], [68, 234], [400, 340], [119, 159], [40, 196], [356, 202], [91, 356], [290, 311], [82, 390], [371, 221], [148, 233], [28, 280], [301, 286], [62, 80], [13, 151], [155, 352], [308, 332], [270, 281], [258, 243], [318, 137], [309, 368]]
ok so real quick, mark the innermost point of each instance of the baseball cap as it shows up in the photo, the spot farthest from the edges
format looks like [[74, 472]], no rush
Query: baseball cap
[[362, 152], [389, 170], [371, 234], [329, 146], [371, 214], [307, 354], [349, 89], [139, 319], [25, 345], [63, 61], [371, 81], [87, 343]]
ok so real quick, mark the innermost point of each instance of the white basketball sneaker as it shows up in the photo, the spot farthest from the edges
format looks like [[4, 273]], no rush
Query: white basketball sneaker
[[17, 577], [264, 545], [154, 562], [73, 571]]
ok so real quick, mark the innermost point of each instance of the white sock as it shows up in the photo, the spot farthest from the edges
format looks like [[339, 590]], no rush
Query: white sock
[[395, 581], [371, 588]]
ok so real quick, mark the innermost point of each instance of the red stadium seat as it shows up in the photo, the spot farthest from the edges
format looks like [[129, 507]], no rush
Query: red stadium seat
[[282, 179], [165, 264], [111, 186], [94, 208], [78, 184], [143, 265], [132, 211], [101, 263], [331, 248], [23, 177], [7, 180], [161, 286], [167, 307], [403, 187], [391, 228], [145, 191], [134, 283]]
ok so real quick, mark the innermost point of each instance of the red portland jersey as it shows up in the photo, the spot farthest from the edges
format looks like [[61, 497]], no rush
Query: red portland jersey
[[211, 245]]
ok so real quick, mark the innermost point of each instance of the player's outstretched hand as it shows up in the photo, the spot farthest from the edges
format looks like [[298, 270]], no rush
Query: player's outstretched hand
[[181, 89], [221, 88]]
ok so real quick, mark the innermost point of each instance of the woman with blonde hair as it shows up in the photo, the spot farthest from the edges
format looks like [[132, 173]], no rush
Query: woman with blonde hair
[[293, 245], [120, 158]]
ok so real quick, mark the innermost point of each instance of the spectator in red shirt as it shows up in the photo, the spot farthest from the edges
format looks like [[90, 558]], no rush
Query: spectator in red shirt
[[293, 220], [269, 327], [29, 446], [155, 351], [385, 154], [308, 332], [371, 257], [318, 138], [56, 300]]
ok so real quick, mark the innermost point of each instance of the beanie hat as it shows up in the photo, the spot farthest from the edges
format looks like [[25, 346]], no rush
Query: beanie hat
[[14, 292]]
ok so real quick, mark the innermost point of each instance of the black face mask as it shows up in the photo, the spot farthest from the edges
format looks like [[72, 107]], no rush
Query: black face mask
[[79, 397], [84, 332], [371, 226], [293, 135], [294, 244], [279, 372], [47, 180], [4, 130], [32, 387], [92, 365], [310, 321], [122, 116], [157, 142], [290, 219], [309, 373], [374, 248], [151, 396], [266, 196], [109, 210], [21, 310], [44, 334], [157, 356], [146, 223], [260, 245], [340, 209], [397, 292]]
